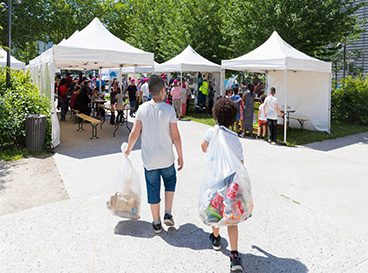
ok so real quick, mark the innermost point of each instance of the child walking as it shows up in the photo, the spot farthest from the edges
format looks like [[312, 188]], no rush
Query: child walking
[[262, 120], [238, 101], [157, 123], [225, 112]]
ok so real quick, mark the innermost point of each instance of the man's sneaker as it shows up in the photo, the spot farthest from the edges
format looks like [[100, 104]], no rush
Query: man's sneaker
[[157, 228], [216, 242], [235, 263], [169, 220]]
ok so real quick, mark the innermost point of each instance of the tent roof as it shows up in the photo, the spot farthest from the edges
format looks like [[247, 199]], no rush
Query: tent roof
[[188, 61], [140, 69], [14, 63], [276, 54], [94, 47]]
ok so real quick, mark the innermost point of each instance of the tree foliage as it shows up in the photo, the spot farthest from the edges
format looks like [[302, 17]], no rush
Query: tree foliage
[[217, 29]]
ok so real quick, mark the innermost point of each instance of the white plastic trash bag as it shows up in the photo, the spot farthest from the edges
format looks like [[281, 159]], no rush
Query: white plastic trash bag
[[126, 198], [225, 197]]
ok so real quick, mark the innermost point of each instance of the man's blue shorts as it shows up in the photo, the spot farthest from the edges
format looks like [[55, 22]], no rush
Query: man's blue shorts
[[153, 182]]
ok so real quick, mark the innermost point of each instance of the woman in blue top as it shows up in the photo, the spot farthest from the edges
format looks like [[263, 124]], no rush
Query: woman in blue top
[[237, 100]]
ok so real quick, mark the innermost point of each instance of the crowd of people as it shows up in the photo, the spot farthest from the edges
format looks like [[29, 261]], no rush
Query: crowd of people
[[244, 98], [77, 93]]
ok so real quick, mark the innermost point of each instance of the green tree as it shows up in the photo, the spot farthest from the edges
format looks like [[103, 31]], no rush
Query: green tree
[[308, 25]]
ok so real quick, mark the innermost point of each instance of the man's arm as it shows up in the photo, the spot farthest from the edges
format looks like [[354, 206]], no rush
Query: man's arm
[[204, 146], [175, 135], [279, 110], [133, 136]]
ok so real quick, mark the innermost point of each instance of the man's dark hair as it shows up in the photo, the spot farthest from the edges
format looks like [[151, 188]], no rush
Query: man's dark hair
[[273, 90], [224, 112], [155, 85]]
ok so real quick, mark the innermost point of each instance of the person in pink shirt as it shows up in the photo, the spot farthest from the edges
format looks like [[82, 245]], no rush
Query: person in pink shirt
[[176, 98]]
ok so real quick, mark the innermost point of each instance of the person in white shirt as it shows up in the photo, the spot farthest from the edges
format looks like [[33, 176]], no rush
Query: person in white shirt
[[145, 91], [157, 123], [272, 108]]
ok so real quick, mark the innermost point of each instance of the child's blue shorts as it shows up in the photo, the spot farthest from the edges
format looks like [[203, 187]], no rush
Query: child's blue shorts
[[153, 182]]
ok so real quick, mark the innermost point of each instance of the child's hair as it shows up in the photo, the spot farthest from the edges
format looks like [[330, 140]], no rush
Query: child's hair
[[273, 90], [155, 85], [224, 112], [263, 97]]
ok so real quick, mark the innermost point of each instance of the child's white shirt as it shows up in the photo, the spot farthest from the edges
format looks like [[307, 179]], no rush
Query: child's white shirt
[[157, 144], [262, 114]]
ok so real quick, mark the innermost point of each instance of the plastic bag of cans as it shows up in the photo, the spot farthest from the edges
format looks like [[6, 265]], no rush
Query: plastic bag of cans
[[225, 197]]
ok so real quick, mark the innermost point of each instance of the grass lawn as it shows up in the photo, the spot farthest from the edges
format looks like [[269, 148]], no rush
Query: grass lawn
[[12, 153], [297, 136], [338, 129]]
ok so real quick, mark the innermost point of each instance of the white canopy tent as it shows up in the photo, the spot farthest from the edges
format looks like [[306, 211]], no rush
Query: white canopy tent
[[188, 61], [94, 47], [14, 63], [302, 82]]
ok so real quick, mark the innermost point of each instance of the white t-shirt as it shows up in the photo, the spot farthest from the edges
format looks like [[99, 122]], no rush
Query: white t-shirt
[[145, 89], [271, 105], [232, 140], [262, 114], [157, 144]]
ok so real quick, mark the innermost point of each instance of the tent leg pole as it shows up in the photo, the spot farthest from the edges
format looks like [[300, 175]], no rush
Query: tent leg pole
[[222, 78], [100, 78], [120, 78], [285, 106], [181, 78]]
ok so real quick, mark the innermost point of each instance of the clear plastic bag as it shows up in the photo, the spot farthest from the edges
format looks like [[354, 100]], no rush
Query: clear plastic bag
[[225, 197], [125, 201]]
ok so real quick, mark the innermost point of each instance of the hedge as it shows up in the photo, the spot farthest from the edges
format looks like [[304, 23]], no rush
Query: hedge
[[16, 102], [350, 101]]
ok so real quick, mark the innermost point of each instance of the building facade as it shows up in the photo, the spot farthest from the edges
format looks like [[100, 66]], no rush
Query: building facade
[[357, 51]]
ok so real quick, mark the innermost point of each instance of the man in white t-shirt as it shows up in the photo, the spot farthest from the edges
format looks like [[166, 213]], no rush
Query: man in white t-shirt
[[271, 108], [145, 90], [157, 122]]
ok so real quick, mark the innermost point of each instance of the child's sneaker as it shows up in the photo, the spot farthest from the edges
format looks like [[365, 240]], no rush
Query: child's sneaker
[[169, 220], [157, 228], [216, 242], [235, 262]]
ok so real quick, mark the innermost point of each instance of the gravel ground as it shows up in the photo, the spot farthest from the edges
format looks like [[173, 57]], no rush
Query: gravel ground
[[309, 216], [29, 183]]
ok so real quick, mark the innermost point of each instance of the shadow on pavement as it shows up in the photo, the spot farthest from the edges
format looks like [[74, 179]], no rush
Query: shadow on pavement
[[334, 144], [77, 144], [270, 263], [186, 236]]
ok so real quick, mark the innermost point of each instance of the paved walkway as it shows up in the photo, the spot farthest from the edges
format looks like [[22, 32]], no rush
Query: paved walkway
[[310, 213]]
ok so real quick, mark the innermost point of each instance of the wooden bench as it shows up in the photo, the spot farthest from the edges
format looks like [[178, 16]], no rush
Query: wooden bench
[[124, 119], [73, 114], [94, 123], [301, 120]]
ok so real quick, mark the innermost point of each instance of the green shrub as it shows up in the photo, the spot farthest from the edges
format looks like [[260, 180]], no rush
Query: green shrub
[[350, 101], [16, 102]]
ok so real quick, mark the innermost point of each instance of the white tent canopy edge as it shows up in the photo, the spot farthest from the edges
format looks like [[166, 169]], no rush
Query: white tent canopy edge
[[279, 60], [81, 52]]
